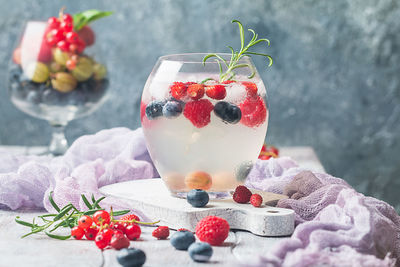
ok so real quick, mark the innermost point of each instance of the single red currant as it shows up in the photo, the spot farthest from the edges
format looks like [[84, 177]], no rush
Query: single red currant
[[118, 226], [63, 45], [85, 222], [101, 241], [80, 46], [53, 23], [77, 232], [133, 231], [91, 233], [107, 234], [101, 217], [72, 37], [67, 18], [66, 26]]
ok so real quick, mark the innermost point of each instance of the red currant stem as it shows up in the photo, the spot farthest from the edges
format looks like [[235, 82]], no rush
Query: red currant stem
[[138, 222], [61, 13]]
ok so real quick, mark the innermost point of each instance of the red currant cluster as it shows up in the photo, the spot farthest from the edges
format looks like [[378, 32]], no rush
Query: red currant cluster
[[107, 231]]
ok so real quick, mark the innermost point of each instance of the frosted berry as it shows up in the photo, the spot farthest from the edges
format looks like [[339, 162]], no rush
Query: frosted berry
[[178, 90], [242, 194], [198, 112], [254, 111], [217, 91], [154, 109], [197, 198], [182, 240], [161, 232], [172, 109], [131, 257], [213, 230], [200, 251], [251, 88], [256, 200], [77, 232], [227, 112], [195, 91]]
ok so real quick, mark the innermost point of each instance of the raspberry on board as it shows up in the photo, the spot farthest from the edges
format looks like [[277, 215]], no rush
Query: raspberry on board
[[242, 194], [213, 230], [161, 232]]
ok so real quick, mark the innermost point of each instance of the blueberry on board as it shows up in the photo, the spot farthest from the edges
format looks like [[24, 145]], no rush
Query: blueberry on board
[[182, 240], [172, 109], [33, 97], [131, 257], [154, 109], [197, 198], [200, 251], [228, 112]]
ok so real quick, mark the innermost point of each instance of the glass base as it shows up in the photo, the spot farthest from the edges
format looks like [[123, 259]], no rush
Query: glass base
[[212, 195]]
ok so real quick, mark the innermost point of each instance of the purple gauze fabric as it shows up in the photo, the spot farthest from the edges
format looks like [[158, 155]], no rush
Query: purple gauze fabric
[[336, 226]]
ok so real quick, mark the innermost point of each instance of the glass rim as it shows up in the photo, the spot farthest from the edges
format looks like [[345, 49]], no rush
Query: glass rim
[[175, 57]]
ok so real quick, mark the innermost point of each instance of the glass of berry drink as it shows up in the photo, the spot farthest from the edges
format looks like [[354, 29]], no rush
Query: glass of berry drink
[[205, 117], [54, 74]]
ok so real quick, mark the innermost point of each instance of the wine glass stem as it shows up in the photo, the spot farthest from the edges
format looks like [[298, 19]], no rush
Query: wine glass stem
[[58, 145]]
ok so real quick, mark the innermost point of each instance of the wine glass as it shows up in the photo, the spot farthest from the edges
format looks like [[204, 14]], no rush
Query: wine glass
[[43, 85], [201, 132]]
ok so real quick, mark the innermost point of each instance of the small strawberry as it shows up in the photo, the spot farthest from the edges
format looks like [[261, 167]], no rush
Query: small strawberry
[[178, 90], [251, 88], [217, 91], [198, 112], [161, 232], [242, 194], [195, 91], [254, 111], [256, 200]]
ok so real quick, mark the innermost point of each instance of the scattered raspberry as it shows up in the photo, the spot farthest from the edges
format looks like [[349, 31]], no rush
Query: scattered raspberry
[[213, 230], [130, 217], [242, 194], [217, 91], [198, 112], [161, 232], [254, 111], [178, 90], [251, 89], [195, 91], [256, 200], [183, 230]]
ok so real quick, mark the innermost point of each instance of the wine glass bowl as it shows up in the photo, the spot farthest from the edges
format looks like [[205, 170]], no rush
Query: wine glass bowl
[[201, 132], [42, 84]]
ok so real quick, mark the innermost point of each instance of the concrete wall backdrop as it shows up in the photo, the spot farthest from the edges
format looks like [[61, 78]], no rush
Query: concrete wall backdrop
[[335, 83]]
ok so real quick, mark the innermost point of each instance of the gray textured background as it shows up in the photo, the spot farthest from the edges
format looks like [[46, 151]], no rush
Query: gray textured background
[[335, 83]]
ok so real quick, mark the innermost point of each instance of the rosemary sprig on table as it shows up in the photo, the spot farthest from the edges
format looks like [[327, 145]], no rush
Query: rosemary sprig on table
[[238, 55], [66, 217]]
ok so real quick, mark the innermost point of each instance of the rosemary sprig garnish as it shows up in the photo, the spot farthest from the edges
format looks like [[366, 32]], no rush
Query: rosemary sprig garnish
[[238, 55], [68, 217]]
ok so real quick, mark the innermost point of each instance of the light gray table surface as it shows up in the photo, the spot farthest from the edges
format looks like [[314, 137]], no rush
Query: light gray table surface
[[39, 250]]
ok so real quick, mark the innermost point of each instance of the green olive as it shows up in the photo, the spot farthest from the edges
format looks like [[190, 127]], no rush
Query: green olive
[[99, 71], [64, 82], [37, 72], [60, 57], [83, 70]]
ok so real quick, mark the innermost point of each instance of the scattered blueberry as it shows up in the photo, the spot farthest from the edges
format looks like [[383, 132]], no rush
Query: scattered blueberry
[[243, 170], [154, 109], [182, 240], [172, 109], [228, 112], [131, 257], [197, 198], [200, 251]]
